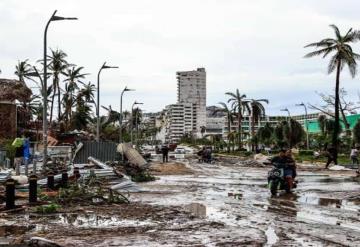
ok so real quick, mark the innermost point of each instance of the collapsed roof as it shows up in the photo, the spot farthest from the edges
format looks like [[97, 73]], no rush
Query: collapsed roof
[[11, 90]]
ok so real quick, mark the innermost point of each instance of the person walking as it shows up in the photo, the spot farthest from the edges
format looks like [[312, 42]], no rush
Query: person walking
[[354, 156], [18, 143], [330, 154], [165, 153], [26, 155]]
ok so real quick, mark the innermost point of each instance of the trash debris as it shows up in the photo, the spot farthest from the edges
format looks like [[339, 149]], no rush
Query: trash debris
[[132, 155], [339, 168], [42, 242]]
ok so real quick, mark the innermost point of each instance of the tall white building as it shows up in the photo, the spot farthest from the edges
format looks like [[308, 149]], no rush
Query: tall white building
[[180, 121], [192, 90]]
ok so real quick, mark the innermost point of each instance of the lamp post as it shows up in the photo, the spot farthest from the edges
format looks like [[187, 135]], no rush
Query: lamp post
[[121, 115], [306, 124], [52, 18], [132, 116], [287, 110], [104, 66], [289, 122]]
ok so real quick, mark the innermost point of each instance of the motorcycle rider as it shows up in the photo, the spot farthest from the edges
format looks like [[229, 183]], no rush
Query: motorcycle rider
[[291, 161], [289, 173]]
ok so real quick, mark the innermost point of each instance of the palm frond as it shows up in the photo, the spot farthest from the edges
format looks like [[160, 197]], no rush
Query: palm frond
[[324, 52], [337, 31]]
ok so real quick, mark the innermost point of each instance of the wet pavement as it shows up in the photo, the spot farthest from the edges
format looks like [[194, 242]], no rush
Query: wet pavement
[[217, 205], [324, 209]]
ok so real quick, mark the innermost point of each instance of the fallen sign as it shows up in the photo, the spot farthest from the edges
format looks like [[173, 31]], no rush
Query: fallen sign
[[132, 155]]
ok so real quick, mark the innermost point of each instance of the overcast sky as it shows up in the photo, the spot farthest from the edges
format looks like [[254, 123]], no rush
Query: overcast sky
[[253, 45]]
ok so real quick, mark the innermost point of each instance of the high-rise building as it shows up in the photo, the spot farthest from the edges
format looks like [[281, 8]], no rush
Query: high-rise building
[[180, 121], [192, 90]]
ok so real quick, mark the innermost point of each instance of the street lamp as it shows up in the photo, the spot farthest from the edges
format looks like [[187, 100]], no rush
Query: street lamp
[[306, 124], [121, 115], [52, 18], [287, 110], [104, 66], [132, 113], [289, 122]]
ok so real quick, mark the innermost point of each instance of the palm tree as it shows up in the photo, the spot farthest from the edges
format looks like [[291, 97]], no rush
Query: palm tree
[[342, 54], [238, 104], [230, 118], [68, 102], [293, 132], [265, 134], [74, 75], [87, 91], [22, 69], [257, 110], [82, 115], [279, 134], [57, 66], [231, 136]]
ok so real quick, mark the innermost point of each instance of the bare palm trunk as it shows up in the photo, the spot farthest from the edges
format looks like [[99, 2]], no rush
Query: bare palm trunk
[[239, 130], [52, 104], [335, 137], [229, 126], [59, 100]]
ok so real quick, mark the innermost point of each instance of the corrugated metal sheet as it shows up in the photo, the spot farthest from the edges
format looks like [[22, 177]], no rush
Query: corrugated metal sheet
[[103, 151]]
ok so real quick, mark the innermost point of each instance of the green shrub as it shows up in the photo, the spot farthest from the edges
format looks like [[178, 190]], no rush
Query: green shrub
[[247, 153], [48, 209], [142, 177]]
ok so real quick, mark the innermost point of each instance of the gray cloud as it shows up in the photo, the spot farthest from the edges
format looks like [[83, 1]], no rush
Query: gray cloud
[[253, 45]]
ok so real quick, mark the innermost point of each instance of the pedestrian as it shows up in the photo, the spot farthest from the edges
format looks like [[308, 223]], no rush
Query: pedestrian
[[331, 156], [26, 147], [165, 153], [18, 143], [354, 156]]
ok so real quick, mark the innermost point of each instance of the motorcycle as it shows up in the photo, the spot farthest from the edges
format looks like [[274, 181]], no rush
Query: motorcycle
[[277, 181]]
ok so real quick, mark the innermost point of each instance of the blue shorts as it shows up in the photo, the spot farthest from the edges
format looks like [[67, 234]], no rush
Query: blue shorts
[[288, 172]]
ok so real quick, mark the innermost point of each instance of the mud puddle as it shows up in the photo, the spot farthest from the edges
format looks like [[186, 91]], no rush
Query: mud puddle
[[239, 197], [87, 220]]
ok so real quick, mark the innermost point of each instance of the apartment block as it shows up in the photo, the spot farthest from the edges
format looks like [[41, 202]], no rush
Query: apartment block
[[180, 120], [192, 90]]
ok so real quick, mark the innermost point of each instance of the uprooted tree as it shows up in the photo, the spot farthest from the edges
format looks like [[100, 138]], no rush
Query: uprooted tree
[[346, 107]]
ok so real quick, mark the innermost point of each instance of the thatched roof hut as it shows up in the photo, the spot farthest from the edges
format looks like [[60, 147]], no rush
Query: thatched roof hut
[[11, 90]]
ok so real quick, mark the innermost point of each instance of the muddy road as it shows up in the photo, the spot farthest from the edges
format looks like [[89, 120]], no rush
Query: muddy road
[[214, 205]]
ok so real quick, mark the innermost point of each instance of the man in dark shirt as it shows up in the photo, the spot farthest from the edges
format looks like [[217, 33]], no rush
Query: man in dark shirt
[[280, 158], [165, 153], [331, 156], [289, 173]]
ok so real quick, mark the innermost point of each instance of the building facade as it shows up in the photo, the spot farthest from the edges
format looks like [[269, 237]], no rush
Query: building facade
[[180, 120], [192, 90]]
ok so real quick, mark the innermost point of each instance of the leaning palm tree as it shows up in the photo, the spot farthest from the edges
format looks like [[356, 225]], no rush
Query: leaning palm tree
[[238, 103], [342, 54], [230, 118], [256, 110], [57, 66], [22, 69]]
